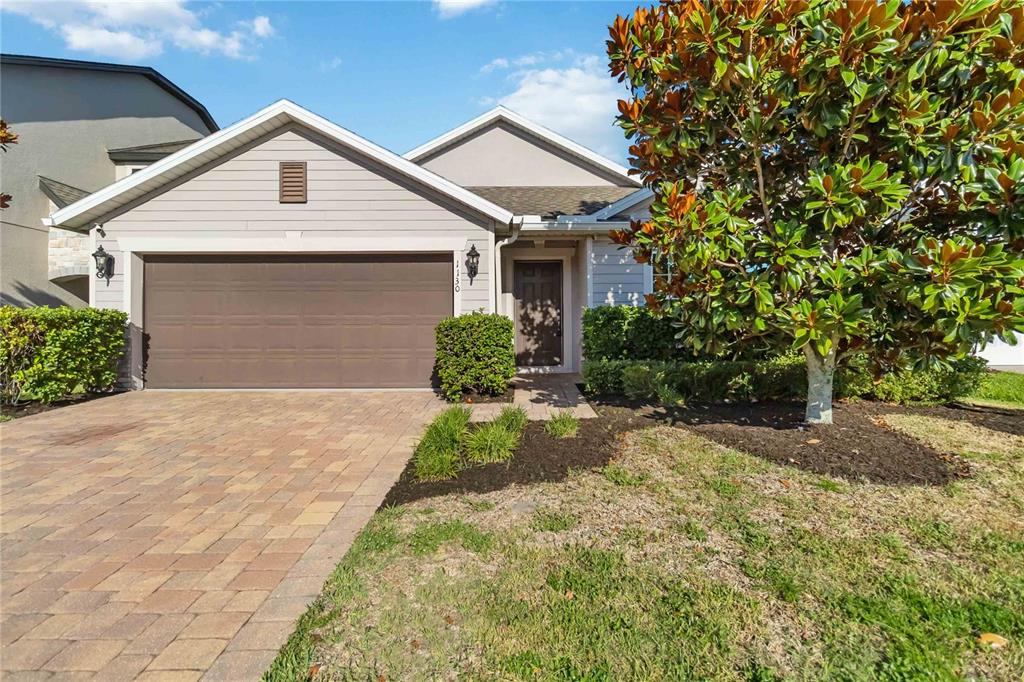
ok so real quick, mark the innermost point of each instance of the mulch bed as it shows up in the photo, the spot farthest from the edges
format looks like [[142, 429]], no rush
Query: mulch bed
[[856, 447], [539, 458], [29, 408]]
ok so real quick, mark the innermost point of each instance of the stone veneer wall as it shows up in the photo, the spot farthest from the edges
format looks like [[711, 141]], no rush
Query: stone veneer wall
[[69, 253]]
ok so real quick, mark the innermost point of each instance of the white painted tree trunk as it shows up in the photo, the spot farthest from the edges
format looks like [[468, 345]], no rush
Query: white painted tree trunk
[[820, 371]]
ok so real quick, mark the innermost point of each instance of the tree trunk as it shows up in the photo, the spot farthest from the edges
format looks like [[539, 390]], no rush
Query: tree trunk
[[820, 371]]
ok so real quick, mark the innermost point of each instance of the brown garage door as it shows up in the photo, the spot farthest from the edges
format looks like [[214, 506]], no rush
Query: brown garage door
[[293, 321]]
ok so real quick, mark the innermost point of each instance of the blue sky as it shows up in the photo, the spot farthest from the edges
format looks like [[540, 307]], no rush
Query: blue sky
[[398, 73]]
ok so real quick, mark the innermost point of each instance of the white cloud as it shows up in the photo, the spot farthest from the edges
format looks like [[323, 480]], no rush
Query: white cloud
[[494, 64], [330, 64], [530, 59], [137, 29], [261, 27], [577, 101], [124, 44], [453, 8]]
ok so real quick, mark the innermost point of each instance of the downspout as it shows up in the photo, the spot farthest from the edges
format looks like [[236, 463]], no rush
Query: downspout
[[514, 228]]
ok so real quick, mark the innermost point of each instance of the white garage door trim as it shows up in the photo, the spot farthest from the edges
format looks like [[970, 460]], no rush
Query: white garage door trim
[[132, 248]]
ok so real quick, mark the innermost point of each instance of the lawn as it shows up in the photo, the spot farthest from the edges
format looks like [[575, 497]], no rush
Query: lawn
[[1000, 389], [683, 559]]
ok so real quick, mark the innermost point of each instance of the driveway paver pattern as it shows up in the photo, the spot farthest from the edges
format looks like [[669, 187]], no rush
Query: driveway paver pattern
[[178, 535]]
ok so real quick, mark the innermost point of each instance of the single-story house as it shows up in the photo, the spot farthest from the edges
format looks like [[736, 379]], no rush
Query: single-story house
[[287, 251]]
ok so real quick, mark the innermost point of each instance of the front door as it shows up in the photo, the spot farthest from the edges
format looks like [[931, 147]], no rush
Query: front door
[[538, 292]]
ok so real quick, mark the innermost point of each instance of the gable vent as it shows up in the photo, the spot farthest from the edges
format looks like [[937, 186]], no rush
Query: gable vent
[[293, 182]]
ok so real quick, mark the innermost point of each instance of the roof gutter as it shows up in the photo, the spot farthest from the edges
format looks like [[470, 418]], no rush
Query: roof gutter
[[516, 228]]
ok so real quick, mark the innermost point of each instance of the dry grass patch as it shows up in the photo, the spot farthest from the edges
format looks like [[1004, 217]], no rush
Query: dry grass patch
[[688, 561]]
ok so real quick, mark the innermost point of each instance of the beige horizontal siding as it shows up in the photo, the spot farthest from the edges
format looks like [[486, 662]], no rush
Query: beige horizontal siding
[[347, 197]]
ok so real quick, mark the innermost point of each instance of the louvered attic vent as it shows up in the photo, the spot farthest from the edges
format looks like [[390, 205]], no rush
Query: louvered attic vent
[[293, 182]]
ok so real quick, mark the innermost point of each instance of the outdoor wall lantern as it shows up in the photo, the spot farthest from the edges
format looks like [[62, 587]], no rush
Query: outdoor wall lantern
[[472, 262], [104, 264]]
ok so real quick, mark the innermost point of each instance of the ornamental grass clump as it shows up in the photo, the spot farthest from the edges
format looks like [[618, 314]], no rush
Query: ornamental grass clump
[[563, 424], [491, 442], [438, 456], [512, 419]]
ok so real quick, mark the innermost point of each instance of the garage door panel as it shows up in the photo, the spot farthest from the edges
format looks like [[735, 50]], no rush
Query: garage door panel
[[293, 321]]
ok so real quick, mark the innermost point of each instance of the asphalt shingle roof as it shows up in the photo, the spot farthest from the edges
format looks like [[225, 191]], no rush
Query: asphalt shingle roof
[[148, 152], [61, 193], [551, 202]]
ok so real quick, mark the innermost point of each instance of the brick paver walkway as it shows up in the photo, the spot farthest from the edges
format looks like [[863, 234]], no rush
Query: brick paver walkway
[[178, 535], [542, 396]]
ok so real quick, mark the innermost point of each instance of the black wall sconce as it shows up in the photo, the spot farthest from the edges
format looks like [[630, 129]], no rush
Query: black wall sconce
[[472, 262], [104, 264]]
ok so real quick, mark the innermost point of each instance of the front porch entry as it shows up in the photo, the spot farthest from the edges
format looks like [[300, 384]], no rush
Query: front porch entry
[[537, 287], [543, 285]]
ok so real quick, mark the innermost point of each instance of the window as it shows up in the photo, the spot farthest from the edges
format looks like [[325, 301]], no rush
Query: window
[[293, 182], [662, 268]]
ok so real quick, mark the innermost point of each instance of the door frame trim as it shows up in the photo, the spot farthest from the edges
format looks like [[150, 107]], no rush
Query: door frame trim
[[568, 325], [137, 247]]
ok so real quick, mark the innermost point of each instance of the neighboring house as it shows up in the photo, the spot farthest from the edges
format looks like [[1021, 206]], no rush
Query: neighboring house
[[81, 126]]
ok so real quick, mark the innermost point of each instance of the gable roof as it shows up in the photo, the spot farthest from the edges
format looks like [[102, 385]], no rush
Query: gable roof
[[60, 193], [149, 72], [551, 202], [624, 204], [264, 121], [147, 152], [502, 114]]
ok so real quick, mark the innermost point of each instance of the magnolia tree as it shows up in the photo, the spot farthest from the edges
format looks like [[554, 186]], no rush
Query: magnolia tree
[[836, 177]]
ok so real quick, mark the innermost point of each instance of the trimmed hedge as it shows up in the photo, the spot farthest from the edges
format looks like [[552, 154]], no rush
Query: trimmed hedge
[[475, 352], [623, 332], [781, 378], [47, 354], [637, 333], [736, 380]]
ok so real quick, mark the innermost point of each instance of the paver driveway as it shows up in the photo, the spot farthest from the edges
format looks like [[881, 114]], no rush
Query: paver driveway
[[178, 535]]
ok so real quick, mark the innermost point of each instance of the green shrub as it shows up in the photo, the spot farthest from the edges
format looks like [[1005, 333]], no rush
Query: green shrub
[[640, 381], [937, 384], [627, 332], [780, 378], [491, 442], [563, 424], [1003, 387], [50, 353], [438, 455], [637, 333], [475, 352], [671, 382], [513, 419]]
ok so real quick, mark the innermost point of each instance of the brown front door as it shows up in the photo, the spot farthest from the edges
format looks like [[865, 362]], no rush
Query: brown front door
[[293, 321], [538, 293]]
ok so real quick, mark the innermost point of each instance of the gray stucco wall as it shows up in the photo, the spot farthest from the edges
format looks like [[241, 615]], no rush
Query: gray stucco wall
[[66, 120], [501, 155]]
